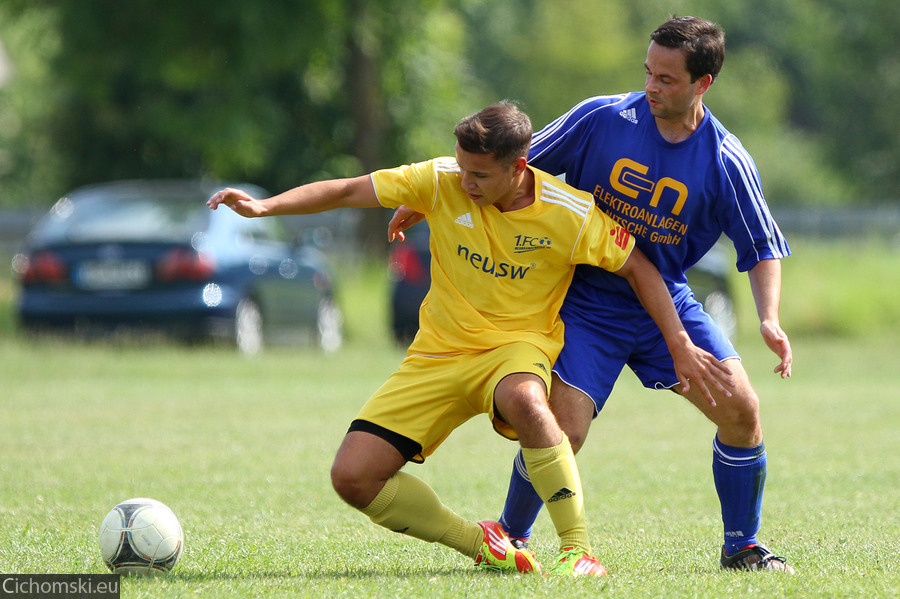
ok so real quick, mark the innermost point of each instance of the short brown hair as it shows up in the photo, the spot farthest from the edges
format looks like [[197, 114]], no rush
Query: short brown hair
[[500, 129], [702, 41]]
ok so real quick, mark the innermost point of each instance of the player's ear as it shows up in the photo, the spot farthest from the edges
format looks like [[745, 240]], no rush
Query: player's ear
[[520, 163], [705, 82]]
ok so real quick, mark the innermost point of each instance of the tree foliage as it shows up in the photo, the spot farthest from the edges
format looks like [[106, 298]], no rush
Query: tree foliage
[[843, 62], [280, 92]]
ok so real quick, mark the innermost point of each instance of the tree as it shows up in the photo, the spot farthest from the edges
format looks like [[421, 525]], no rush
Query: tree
[[275, 92], [30, 164], [551, 54], [280, 92], [840, 59]]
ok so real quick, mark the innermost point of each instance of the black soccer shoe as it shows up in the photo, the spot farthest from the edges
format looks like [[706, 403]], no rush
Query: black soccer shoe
[[755, 557]]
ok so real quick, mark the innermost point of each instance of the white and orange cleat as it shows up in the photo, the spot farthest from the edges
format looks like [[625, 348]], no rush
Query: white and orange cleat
[[498, 553]]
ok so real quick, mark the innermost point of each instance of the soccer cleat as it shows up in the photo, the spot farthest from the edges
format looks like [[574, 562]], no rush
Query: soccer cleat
[[576, 562], [755, 557], [497, 553]]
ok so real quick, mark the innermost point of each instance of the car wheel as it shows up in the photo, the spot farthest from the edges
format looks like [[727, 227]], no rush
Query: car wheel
[[330, 325], [248, 327], [718, 305]]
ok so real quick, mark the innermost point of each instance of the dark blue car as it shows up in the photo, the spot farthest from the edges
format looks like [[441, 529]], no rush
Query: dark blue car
[[149, 255]]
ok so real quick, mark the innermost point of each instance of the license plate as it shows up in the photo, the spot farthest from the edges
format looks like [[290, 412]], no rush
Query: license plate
[[112, 275]]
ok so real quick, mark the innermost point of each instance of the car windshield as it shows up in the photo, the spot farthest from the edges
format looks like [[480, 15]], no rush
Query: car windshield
[[123, 218]]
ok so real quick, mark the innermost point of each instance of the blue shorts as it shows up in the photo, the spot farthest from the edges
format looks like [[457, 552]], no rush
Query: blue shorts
[[605, 331]]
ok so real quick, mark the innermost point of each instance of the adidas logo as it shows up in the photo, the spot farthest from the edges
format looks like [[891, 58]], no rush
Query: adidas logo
[[541, 366], [465, 220], [629, 115], [564, 493], [497, 541]]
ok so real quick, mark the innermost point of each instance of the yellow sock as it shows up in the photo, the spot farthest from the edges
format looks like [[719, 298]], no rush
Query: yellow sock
[[554, 474], [409, 506]]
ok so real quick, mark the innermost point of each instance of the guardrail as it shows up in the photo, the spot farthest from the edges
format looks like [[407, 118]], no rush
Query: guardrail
[[882, 221]]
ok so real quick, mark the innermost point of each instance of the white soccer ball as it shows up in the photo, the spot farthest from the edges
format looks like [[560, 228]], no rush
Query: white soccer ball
[[141, 536]]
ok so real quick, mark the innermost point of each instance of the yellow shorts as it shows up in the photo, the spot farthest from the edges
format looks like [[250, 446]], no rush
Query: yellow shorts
[[430, 396]]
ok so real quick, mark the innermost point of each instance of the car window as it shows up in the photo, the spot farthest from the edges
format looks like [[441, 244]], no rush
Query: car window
[[135, 218]]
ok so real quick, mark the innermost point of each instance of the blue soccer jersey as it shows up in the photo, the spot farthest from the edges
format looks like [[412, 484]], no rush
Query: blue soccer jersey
[[675, 198]]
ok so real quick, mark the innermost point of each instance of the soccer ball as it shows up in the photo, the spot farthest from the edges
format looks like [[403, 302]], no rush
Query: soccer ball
[[141, 536]]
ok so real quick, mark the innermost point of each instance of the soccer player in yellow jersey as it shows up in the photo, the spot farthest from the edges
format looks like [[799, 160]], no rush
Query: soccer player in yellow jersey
[[504, 241]]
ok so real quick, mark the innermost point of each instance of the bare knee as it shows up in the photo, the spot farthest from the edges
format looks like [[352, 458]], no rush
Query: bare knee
[[520, 396], [740, 425], [521, 401], [362, 465], [350, 485], [526, 409], [737, 419], [737, 416]]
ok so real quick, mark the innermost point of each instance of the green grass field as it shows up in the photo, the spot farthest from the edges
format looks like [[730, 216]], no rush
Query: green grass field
[[240, 449]]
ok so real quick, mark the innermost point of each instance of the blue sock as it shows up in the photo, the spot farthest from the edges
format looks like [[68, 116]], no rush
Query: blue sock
[[522, 502], [740, 477]]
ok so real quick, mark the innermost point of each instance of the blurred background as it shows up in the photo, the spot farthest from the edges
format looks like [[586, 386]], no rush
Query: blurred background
[[278, 92]]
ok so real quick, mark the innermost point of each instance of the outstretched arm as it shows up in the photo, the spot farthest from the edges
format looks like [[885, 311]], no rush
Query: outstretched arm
[[693, 365], [765, 283], [357, 192]]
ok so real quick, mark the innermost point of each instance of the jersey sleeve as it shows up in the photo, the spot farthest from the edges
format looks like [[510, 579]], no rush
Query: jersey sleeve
[[750, 225], [412, 185], [603, 242]]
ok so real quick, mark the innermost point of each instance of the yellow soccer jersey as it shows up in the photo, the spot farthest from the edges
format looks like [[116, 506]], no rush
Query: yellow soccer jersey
[[499, 277]]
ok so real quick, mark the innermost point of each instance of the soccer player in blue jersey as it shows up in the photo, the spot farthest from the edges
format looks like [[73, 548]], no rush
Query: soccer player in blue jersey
[[659, 163]]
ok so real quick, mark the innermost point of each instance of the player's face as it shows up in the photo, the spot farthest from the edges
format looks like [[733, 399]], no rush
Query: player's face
[[670, 93], [485, 180]]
